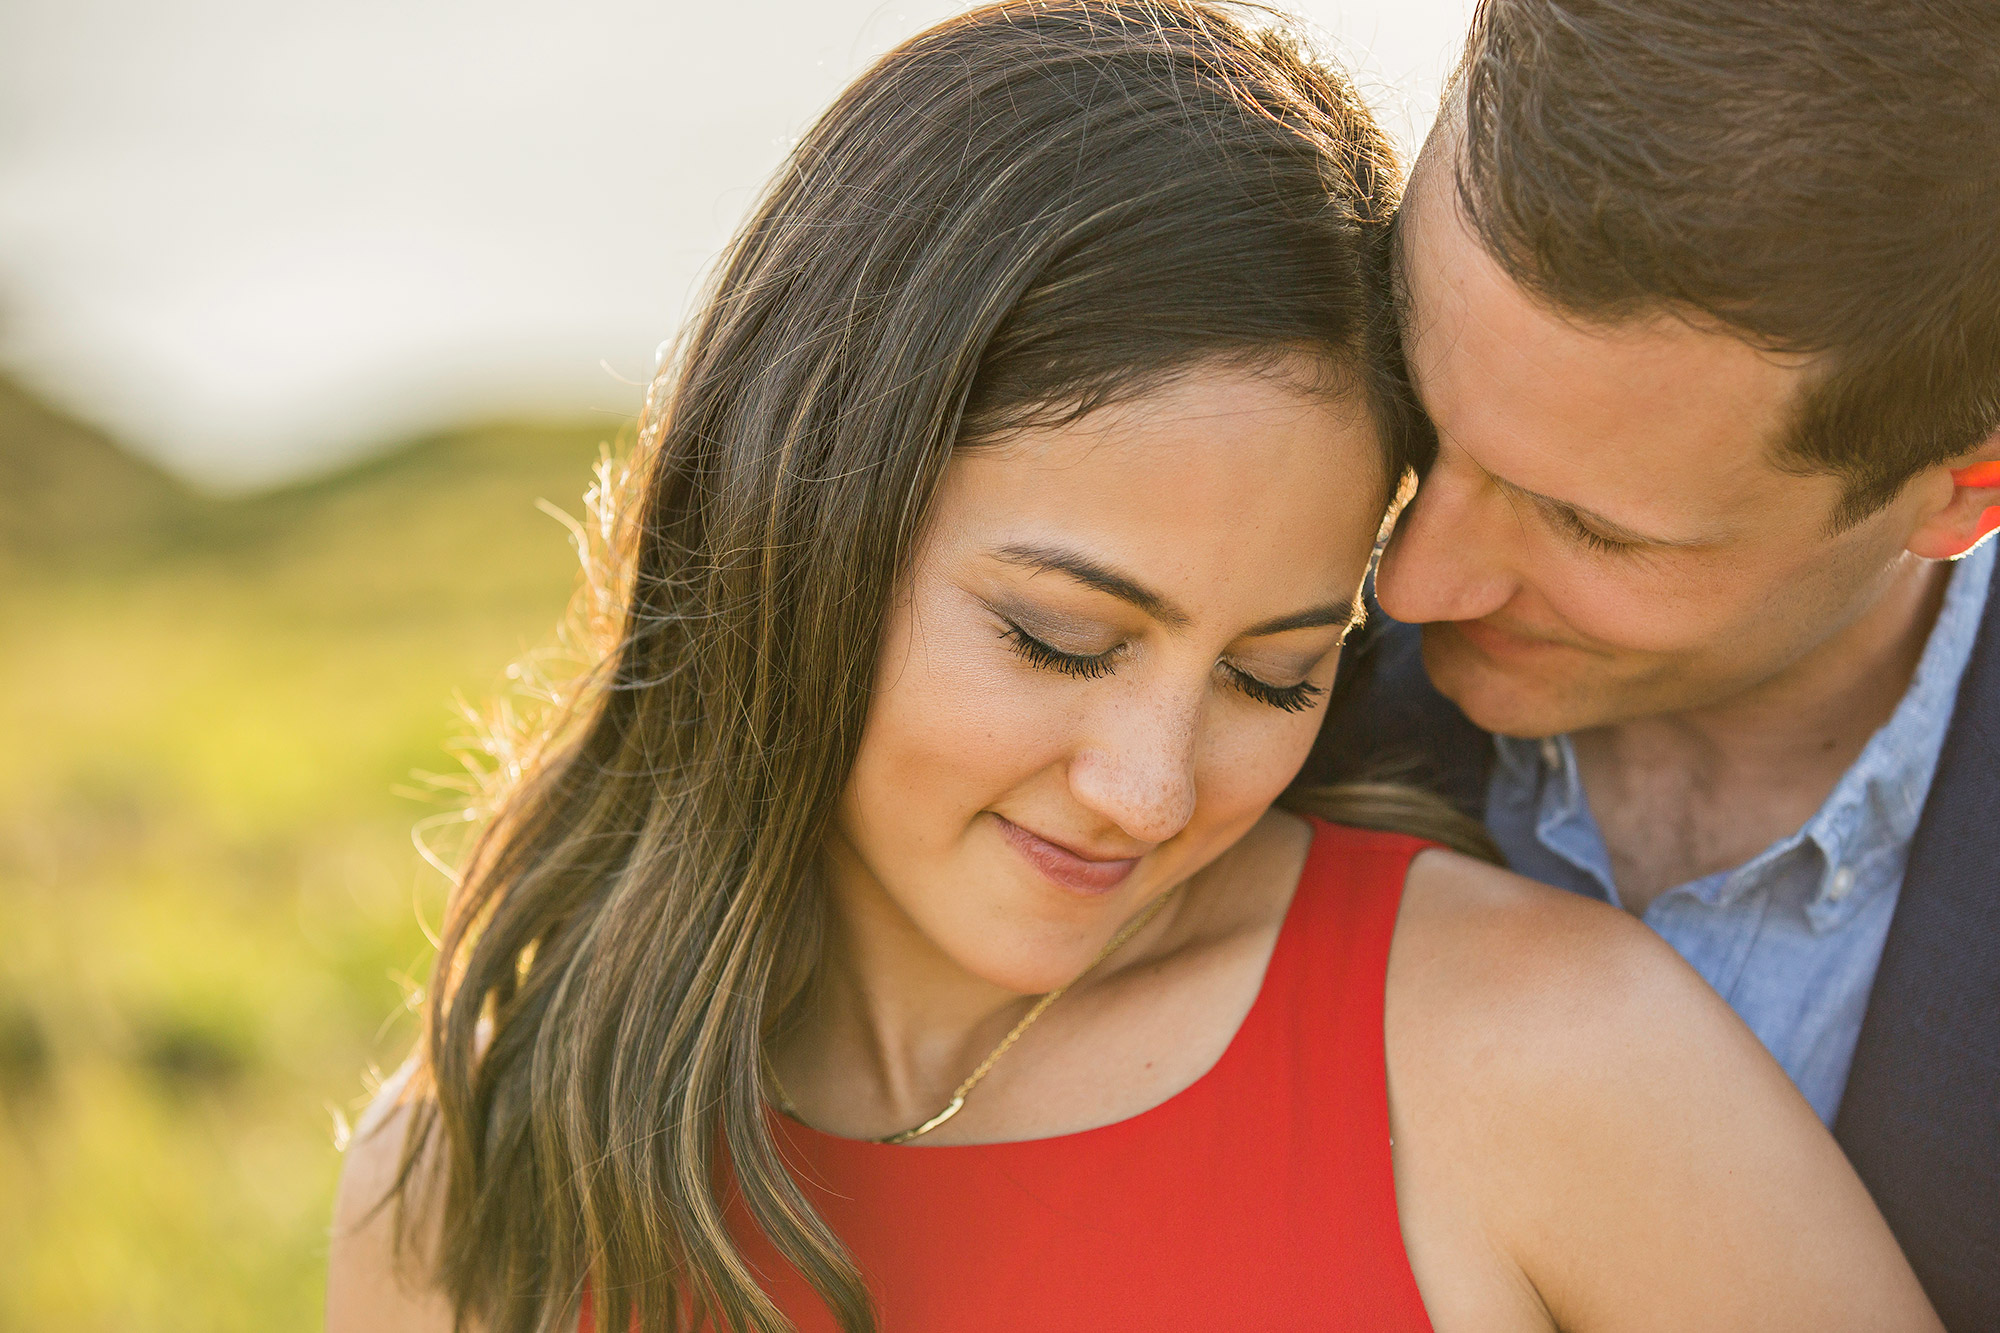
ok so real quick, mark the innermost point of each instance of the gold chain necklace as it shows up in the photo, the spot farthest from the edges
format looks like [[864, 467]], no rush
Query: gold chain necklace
[[958, 1096]]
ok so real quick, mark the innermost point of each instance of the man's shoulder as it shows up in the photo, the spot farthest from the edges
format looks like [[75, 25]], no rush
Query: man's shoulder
[[1920, 1117], [1386, 721]]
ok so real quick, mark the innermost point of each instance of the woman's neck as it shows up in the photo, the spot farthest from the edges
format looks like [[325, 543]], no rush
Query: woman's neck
[[892, 1024]]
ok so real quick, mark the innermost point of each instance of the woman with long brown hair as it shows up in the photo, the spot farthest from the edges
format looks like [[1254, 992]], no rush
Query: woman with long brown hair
[[910, 923]]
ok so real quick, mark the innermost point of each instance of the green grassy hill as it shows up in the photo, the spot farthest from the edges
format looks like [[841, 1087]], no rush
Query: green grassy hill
[[209, 707], [68, 494]]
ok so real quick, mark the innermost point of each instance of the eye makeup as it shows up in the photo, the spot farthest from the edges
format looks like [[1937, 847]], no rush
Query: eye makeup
[[1051, 658], [1286, 698]]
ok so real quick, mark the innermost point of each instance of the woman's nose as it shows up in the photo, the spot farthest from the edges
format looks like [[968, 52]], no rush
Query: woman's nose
[[1138, 770]]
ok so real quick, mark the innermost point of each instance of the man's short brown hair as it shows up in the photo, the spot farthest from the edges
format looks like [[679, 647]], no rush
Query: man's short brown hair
[[1818, 176]]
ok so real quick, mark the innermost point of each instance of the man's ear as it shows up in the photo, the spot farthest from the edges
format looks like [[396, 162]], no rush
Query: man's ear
[[1973, 510]]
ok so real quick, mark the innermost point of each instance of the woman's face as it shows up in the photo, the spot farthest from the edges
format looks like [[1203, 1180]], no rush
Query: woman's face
[[1112, 655]]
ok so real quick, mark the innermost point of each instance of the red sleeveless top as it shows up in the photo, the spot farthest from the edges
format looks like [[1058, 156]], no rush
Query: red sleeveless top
[[1259, 1197]]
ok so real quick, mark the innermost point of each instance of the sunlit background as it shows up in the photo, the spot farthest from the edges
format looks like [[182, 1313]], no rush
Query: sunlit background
[[301, 309]]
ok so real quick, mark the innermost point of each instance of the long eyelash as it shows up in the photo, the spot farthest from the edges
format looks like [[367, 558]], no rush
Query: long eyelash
[[1288, 698], [1594, 540], [1055, 659]]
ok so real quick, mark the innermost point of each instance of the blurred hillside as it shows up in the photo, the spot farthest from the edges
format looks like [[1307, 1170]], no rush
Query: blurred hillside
[[66, 490], [209, 709]]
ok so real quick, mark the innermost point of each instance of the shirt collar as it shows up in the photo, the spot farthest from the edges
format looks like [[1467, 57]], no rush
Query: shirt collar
[[1873, 809], [1875, 806], [1546, 771]]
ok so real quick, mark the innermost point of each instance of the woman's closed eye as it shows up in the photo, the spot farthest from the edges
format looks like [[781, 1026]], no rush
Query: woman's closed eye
[[1286, 698], [1050, 658]]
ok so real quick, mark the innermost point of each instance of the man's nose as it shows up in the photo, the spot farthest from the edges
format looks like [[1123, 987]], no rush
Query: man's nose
[[1452, 555], [1138, 770]]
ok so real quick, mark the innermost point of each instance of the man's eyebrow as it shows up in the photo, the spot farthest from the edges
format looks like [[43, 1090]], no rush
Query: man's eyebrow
[[1616, 531], [1092, 574], [1106, 580]]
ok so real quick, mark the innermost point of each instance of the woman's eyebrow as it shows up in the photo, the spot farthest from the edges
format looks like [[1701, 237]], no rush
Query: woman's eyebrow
[[1343, 614], [1092, 574], [1126, 589]]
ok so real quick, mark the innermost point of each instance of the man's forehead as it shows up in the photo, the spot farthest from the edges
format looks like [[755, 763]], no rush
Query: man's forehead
[[1567, 402]]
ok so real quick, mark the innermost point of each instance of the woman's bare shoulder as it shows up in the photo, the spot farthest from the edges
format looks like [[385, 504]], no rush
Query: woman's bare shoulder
[[374, 1284], [1568, 1091], [1473, 936], [1536, 997]]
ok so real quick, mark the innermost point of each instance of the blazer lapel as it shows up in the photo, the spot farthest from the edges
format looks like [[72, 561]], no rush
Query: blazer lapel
[[1921, 1116]]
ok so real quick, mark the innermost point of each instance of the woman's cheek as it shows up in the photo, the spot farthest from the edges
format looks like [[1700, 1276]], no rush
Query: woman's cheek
[[959, 723], [1249, 763]]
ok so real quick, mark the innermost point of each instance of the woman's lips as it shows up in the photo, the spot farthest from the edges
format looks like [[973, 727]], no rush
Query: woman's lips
[[1078, 874]]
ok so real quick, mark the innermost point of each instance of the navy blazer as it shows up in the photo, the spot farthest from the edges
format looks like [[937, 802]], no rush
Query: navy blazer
[[1920, 1119]]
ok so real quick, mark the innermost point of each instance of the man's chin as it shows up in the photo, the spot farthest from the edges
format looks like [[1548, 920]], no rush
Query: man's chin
[[1534, 697]]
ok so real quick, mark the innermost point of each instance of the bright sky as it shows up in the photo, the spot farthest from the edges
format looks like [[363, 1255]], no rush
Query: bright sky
[[252, 239]]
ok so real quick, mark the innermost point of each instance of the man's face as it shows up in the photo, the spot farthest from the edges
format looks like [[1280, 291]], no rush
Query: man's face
[[1606, 533]]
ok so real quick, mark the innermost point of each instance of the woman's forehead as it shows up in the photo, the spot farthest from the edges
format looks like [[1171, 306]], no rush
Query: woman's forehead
[[1219, 480]]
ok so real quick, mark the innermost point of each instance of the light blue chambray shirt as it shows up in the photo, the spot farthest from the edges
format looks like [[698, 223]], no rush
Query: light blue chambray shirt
[[1792, 937]]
